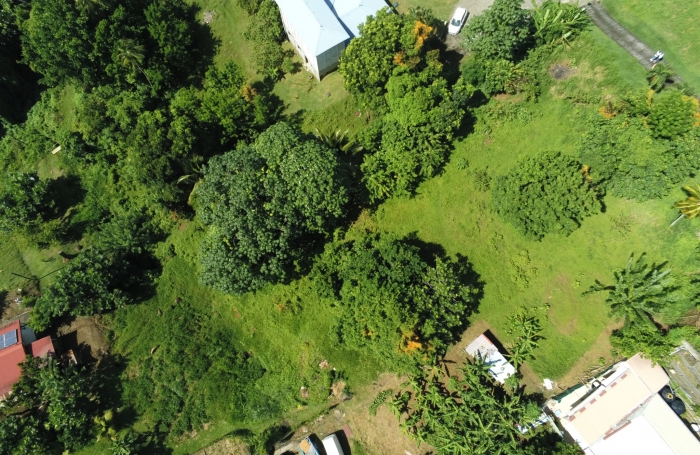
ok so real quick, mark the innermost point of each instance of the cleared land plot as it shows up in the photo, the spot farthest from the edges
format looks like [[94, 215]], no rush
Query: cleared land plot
[[665, 25]]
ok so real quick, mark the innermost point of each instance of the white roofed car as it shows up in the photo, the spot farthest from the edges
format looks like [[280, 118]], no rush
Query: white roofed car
[[332, 445], [457, 21]]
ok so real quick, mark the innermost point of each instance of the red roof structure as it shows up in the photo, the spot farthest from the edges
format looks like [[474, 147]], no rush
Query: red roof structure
[[11, 355]]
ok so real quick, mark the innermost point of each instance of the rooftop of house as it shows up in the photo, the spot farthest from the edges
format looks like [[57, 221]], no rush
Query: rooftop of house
[[611, 410], [10, 358], [322, 24], [15, 345]]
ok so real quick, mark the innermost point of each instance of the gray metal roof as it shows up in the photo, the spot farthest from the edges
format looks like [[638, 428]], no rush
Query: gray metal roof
[[352, 13], [314, 23]]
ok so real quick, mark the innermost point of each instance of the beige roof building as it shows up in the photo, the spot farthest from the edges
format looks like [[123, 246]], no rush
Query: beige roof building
[[622, 413]]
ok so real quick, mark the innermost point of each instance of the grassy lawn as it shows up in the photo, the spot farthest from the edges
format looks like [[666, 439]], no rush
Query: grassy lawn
[[302, 93], [228, 24], [666, 25]]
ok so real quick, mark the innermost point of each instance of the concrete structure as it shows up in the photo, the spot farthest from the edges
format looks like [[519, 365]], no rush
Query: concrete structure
[[22, 342], [621, 412], [484, 349], [321, 29]]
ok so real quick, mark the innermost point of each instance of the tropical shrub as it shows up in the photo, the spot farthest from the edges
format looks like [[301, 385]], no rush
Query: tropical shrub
[[548, 193], [558, 23], [640, 291], [451, 413], [264, 204], [672, 114], [23, 201]]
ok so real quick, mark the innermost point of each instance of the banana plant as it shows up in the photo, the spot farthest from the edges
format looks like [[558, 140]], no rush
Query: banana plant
[[690, 206]]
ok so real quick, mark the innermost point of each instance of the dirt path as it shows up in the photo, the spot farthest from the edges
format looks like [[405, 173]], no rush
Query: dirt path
[[620, 34]]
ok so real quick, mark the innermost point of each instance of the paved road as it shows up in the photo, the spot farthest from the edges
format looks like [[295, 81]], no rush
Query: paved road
[[635, 47]]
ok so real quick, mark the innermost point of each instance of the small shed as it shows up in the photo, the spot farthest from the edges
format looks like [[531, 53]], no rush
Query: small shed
[[320, 30], [483, 348]]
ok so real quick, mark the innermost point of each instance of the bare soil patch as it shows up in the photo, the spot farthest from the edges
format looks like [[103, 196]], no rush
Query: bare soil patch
[[86, 337], [561, 71]]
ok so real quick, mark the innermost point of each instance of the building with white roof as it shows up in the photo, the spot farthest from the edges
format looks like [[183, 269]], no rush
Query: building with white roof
[[621, 412], [484, 349], [320, 30]]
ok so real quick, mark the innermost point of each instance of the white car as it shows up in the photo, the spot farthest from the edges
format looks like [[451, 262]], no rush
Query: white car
[[457, 21], [332, 445]]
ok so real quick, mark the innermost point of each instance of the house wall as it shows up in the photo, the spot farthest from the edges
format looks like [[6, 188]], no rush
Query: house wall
[[328, 60], [308, 58], [319, 65]]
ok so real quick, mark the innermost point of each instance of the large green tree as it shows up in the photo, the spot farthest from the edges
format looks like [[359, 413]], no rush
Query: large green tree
[[387, 41], [544, 194], [414, 137], [264, 204], [389, 300], [500, 32]]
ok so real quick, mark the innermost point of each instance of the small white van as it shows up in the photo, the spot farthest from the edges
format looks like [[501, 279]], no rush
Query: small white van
[[332, 445]]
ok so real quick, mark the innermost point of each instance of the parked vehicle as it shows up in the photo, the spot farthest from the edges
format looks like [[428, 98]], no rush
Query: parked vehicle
[[332, 445], [457, 21]]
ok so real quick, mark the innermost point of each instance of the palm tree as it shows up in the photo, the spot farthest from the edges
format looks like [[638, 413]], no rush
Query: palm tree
[[690, 206], [131, 55], [339, 141], [640, 290], [658, 75]]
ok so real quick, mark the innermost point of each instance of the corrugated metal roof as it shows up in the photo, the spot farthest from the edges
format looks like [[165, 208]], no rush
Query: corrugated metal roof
[[314, 23], [352, 13]]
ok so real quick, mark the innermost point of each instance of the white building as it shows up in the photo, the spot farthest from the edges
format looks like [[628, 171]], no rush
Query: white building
[[621, 412], [320, 30], [484, 349]]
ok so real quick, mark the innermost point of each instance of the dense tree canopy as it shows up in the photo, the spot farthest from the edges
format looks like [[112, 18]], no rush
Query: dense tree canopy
[[85, 42], [389, 300], [501, 32], [263, 203], [413, 139], [387, 41], [545, 194], [626, 160], [59, 403]]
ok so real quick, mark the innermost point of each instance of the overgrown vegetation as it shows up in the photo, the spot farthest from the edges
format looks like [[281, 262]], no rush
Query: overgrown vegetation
[[171, 167]]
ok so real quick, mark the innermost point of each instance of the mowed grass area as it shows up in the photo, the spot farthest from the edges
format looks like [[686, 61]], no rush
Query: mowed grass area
[[670, 26]]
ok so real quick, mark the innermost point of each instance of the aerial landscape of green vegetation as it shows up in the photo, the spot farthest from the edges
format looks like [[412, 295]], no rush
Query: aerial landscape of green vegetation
[[255, 245]]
